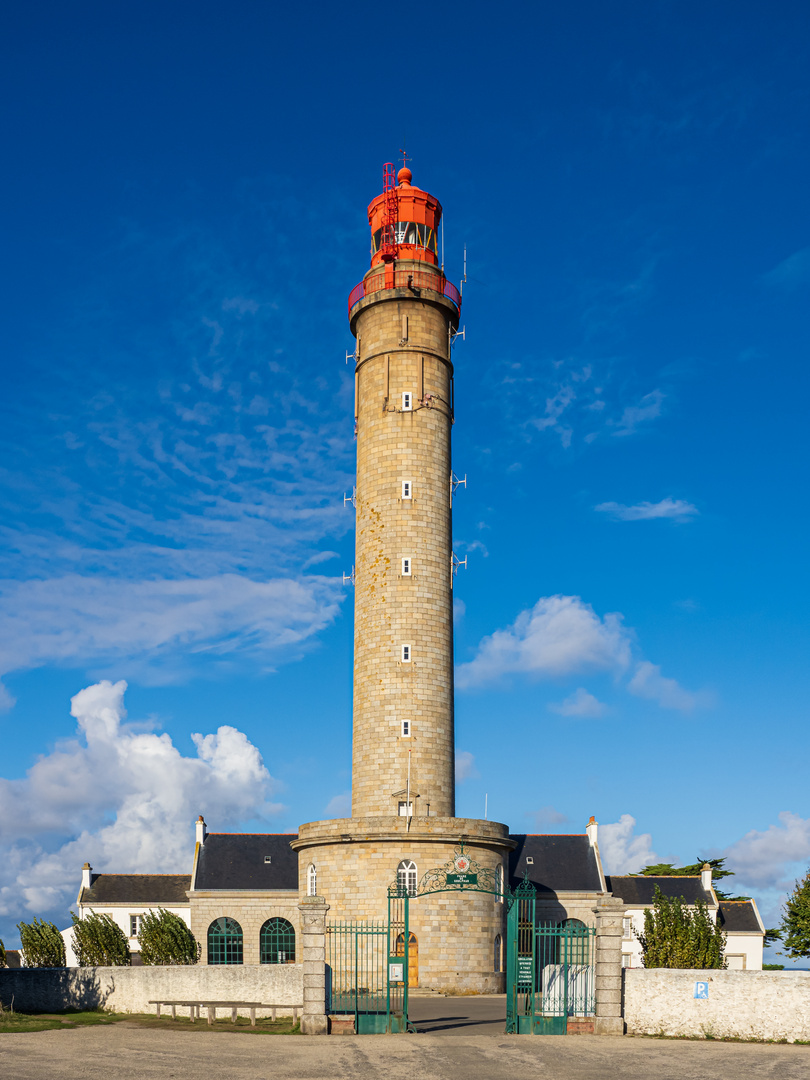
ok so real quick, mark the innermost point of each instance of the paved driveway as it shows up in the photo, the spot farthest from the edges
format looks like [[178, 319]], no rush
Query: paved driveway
[[123, 1052], [483, 1014]]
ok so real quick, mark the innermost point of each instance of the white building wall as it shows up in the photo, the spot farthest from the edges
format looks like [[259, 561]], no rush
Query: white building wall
[[122, 913]]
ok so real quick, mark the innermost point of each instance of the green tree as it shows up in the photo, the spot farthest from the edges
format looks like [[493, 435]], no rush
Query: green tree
[[99, 941], [796, 920], [165, 938], [677, 936], [2, 954], [693, 870], [42, 944]]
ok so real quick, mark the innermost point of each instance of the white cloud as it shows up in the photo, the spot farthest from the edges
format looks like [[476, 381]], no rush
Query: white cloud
[[677, 509], [648, 682], [580, 703], [91, 620], [459, 610], [340, 806], [558, 636], [792, 272], [465, 766], [547, 815], [122, 799], [774, 856], [647, 409], [622, 851]]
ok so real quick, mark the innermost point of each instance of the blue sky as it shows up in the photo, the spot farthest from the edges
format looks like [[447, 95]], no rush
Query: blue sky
[[183, 218]]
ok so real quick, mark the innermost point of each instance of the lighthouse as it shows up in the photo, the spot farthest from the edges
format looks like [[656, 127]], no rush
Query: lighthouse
[[404, 315]]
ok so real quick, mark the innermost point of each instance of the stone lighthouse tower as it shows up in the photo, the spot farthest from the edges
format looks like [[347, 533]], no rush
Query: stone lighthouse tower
[[403, 315]]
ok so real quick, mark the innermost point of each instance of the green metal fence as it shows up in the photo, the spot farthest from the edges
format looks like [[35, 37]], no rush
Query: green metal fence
[[549, 969], [365, 976]]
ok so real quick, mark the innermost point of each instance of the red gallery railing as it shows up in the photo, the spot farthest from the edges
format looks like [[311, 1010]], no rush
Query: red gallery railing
[[406, 279]]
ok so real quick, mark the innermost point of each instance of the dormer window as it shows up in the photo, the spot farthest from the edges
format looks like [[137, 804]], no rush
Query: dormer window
[[268, 859], [529, 860]]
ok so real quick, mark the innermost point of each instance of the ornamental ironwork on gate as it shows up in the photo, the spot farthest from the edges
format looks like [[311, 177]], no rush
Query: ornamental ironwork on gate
[[549, 968]]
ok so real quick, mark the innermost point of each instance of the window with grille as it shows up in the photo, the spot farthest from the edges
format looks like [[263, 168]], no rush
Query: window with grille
[[496, 965], [406, 809], [627, 959], [499, 882], [134, 925], [312, 880], [406, 567], [406, 729], [277, 942], [407, 489], [579, 944], [406, 654], [627, 928], [225, 941], [406, 876], [407, 401]]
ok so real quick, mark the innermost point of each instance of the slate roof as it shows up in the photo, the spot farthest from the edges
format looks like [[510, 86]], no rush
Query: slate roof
[[639, 891], [237, 861], [561, 863], [739, 916], [137, 889]]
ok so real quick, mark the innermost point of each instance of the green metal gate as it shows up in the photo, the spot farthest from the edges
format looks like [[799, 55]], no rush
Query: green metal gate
[[365, 976], [549, 969]]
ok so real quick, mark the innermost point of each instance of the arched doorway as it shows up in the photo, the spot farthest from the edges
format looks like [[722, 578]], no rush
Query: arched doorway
[[413, 956]]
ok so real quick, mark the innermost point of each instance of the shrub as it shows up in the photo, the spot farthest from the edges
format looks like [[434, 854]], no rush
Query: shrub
[[2, 954], [41, 944], [165, 938], [99, 941], [676, 936], [796, 921]]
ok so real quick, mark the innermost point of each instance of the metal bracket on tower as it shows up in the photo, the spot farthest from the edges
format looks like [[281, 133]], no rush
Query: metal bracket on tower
[[348, 579], [454, 483], [351, 356], [455, 563], [462, 333], [351, 498]]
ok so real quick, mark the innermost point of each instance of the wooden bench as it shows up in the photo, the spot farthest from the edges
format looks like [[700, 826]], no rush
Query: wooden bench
[[212, 1006]]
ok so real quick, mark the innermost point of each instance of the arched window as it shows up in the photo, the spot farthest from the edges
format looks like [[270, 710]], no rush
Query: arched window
[[277, 942], [406, 876], [312, 880], [577, 941], [497, 958], [225, 941], [499, 883]]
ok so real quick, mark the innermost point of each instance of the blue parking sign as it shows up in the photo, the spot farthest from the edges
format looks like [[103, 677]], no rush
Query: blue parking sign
[[702, 991]]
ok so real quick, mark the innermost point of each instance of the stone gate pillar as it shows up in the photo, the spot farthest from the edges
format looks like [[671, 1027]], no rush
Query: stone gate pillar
[[313, 954], [609, 920]]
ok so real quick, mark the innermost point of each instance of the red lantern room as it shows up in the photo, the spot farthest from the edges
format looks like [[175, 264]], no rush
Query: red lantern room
[[404, 224], [404, 221]]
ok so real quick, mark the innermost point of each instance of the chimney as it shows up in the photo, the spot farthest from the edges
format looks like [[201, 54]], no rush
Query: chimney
[[591, 829], [87, 875], [706, 877], [202, 832]]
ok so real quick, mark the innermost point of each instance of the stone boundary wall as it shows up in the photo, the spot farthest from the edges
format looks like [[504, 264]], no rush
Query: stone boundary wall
[[741, 1004], [129, 989]]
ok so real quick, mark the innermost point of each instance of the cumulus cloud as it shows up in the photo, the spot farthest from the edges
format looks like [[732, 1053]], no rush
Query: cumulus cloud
[[92, 620], [122, 799], [622, 851], [465, 766], [648, 682], [580, 703], [677, 509], [773, 856], [558, 636], [648, 408]]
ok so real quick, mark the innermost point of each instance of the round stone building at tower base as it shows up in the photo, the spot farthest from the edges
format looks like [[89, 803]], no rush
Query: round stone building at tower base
[[459, 935]]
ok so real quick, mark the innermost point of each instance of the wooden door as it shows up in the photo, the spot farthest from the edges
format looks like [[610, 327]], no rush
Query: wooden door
[[413, 957]]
